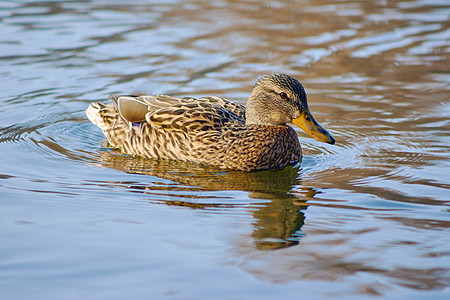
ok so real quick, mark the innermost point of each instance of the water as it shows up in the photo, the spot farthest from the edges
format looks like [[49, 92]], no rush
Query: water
[[366, 217]]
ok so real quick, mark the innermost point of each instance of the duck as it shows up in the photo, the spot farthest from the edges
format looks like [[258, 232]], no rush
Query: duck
[[213, 130]]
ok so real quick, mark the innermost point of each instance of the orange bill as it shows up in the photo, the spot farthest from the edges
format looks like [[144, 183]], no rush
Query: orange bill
[[307, 123]]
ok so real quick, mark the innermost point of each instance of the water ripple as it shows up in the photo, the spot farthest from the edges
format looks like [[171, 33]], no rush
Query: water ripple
[[366, 216]]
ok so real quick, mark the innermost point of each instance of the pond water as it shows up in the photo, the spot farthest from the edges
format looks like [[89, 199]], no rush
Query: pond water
[[366, 217]]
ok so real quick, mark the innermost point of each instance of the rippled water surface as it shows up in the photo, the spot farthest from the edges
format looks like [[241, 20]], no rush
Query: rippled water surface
[[366, 217]]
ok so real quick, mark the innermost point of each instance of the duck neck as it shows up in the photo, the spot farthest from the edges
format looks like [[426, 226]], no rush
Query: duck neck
[[256, 112]]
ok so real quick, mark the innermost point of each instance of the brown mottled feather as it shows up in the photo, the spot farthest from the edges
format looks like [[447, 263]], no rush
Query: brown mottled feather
[[210, 130], [207, 130]]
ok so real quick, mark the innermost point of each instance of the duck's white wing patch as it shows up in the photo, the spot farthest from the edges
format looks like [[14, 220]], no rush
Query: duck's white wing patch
[[131, 109]]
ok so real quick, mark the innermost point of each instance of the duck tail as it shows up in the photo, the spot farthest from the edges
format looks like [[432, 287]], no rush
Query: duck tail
[[101, 115]]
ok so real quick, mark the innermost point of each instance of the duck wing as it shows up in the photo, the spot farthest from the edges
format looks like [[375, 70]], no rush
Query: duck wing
[[180, 113]]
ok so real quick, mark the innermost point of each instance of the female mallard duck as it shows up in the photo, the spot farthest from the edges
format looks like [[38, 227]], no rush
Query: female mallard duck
[[213, 130]]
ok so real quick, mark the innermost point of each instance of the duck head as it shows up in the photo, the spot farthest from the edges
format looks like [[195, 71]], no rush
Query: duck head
[[277, 99]]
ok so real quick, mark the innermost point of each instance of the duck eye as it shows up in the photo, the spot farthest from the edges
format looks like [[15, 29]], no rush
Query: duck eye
[[283, 95]]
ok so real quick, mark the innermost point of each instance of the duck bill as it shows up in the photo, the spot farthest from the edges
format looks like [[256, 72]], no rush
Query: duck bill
[[307, 123]]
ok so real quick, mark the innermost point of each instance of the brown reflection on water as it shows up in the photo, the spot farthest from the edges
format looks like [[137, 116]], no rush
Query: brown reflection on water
[[277, 221]]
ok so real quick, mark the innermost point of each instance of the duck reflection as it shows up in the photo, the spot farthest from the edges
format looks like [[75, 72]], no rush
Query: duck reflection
[[277, 222]]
